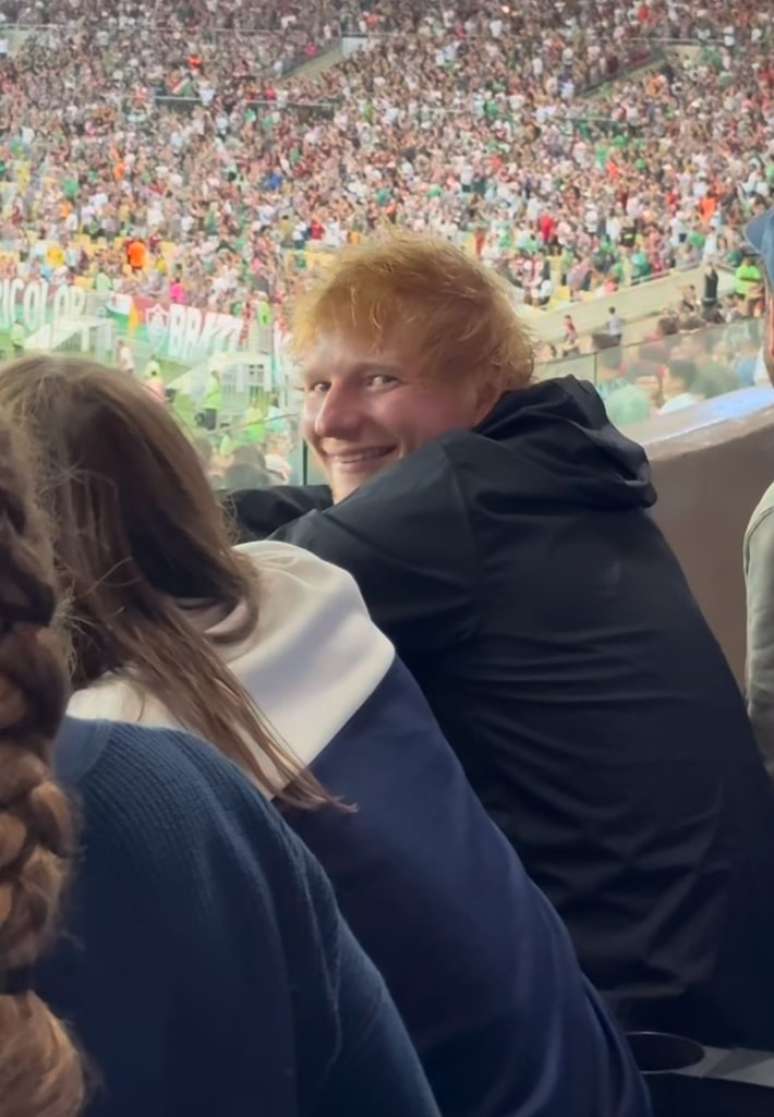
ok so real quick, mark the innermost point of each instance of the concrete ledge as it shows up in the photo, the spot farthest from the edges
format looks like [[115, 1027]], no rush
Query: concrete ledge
[[711, 422], [711, 465], [637, 305]]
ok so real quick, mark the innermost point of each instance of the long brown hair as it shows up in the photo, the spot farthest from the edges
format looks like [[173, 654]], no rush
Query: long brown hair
[[40, 1069], [138, 529]]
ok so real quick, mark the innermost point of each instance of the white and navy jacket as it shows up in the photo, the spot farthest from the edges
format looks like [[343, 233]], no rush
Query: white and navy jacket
[[476, 959]]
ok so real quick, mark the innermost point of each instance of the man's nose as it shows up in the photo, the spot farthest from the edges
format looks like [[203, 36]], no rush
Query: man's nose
[[340, 414]]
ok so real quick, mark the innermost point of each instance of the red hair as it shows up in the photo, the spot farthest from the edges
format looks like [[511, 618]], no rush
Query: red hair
[[457, 313]]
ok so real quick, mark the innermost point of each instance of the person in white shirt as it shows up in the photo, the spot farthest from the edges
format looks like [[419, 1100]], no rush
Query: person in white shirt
[[126, 358], [615, 325], [613, 228], [678, 385], [679, 229], [544, 291]]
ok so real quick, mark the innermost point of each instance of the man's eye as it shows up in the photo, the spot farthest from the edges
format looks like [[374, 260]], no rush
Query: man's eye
[[317, 388], [381, 380]]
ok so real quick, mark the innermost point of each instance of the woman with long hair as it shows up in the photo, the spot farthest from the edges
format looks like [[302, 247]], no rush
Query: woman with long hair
[[202, 962], [269, 653]]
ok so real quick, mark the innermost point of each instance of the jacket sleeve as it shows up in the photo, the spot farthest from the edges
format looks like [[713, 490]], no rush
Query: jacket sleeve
[[259, 512], [374, 1067], [406, 539], [378, 1064], [759, 578]]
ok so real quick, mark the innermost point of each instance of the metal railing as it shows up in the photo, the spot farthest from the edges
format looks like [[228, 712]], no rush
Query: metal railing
[[306, 110]]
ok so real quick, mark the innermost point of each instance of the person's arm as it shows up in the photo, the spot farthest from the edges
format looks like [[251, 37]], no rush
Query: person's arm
[[259, 512], [759, 578], [378, 1071], [374, 1068], [214, 973]]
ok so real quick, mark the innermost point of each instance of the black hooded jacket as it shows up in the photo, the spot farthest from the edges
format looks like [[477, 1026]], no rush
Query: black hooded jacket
[[551, 628]]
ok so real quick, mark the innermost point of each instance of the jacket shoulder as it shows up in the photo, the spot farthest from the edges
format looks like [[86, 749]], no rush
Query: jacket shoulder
[[259, 512], [417, 509], [158, 776]]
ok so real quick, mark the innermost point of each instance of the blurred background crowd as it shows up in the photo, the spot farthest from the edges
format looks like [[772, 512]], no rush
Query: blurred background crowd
[[205, 136], [216, 156]]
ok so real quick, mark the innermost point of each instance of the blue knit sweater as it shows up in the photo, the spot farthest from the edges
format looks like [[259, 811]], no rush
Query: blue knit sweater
[[205, 968]]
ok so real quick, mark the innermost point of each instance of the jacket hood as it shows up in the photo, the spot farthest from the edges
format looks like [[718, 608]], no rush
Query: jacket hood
[[313, 660], [565, 448]]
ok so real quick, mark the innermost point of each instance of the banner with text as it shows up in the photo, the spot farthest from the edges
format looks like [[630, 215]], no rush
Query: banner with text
[[181, 333]]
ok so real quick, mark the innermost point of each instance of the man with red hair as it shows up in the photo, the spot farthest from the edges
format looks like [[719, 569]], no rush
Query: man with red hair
[[499, 532]]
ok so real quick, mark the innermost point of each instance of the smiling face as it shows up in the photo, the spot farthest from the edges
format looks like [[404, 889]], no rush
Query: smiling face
[[365, 410]]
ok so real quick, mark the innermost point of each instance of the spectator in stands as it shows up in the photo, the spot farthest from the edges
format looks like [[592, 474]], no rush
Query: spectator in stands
[[615, 326], [153, 381], [212, 401], [714, 370], [746, 363], [137, 254], [500, 535], [570, 343], [204, 963], [689, 301], [152, 369], [216, 191], [759, 540], [678, 386], [171, 627], [126, 357], [709, 302], [247, 469], [625, 403], [667, 326], [748, 280]]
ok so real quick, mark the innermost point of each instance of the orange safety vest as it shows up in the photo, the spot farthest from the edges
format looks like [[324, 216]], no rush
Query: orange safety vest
[[138, 255]]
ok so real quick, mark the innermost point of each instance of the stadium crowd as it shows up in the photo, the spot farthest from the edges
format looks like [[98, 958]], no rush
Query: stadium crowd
[[433, 795], [464, 119], [323, 21]]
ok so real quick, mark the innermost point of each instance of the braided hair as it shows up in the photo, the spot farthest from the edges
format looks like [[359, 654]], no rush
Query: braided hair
[[40, 1068]]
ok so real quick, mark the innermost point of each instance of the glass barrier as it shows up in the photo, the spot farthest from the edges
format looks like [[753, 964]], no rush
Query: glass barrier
[[262, 450], [238, 404], [663, 374], [244, 426], [227, 382], [581, 365]]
